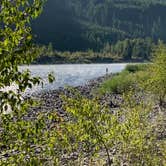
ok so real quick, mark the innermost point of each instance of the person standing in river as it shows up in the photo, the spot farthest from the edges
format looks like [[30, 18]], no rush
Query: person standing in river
[[106, 71]]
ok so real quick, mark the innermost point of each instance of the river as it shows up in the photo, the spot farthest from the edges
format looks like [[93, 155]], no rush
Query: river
[[70, 74]]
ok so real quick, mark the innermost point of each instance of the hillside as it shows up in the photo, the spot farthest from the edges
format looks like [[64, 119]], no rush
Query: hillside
[[91, 24]]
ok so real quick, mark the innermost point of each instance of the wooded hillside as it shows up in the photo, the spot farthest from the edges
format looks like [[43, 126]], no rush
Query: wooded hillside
[[91, 24]]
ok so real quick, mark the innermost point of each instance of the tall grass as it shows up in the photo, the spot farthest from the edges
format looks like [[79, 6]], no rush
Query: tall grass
[[133, 68], [124, 81]]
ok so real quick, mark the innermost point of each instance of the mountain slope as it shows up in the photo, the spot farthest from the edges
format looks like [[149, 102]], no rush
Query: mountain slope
[[90, 24]]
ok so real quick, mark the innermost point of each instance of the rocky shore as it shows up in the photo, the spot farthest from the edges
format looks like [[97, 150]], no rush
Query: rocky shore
[[52, 100]]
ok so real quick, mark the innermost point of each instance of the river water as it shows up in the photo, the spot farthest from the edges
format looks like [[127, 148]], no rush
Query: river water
[[70, 74]]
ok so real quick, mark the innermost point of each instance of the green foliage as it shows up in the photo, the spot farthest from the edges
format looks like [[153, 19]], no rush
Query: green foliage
[[156, 84], [91, 24], [48, 56], [127, 50], [133, 49], [89, 127], [126, 134], [21, 137], [29, 141], [51, 78], [119, 83], [16, 48], [24, 140], [138, 142], [133, 68], [130, 79]]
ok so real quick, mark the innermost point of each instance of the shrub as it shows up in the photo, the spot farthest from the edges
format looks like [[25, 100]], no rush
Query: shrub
[[119, 83], [130, 78], [29, 141], [133, 68], [16, 48], [156, 84], [126, 136], [20, 137]]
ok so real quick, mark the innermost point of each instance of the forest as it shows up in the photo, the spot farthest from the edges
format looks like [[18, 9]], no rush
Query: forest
[[80, 25], [128, 50]]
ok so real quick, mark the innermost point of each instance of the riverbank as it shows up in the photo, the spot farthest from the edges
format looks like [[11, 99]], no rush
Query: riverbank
[[45, 60], [52, 100]]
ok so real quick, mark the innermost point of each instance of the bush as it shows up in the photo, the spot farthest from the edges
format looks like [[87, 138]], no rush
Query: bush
[[156, 84], [130, 78], [126, 136], [133, 68], [120, 83], [29, 141]]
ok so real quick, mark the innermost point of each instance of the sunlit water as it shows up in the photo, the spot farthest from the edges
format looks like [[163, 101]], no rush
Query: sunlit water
[[70, 75]]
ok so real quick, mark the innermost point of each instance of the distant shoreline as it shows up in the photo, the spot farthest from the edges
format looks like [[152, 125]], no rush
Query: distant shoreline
[[118, 62], [44, 64]]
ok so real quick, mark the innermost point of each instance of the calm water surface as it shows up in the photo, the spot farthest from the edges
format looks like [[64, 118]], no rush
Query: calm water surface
[[72, 74]]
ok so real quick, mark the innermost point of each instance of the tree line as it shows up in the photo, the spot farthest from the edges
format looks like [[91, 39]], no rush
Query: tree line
[[128, 50]]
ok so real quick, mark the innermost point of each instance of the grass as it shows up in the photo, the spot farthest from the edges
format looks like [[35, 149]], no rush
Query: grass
[[133, 68], [124, 81]]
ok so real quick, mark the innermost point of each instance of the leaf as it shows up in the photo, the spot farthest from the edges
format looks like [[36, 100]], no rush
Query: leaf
[[51, 77]]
